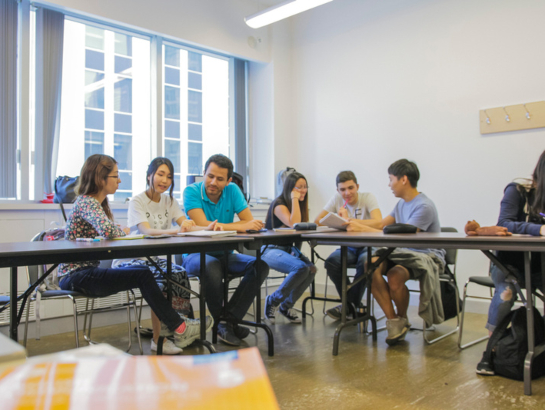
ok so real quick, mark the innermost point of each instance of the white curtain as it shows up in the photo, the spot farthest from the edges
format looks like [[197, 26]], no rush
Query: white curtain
[[49, 48], [8, 98]]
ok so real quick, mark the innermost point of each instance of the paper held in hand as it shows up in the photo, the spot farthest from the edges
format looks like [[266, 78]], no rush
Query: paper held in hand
[[215, 234], [332, 220]]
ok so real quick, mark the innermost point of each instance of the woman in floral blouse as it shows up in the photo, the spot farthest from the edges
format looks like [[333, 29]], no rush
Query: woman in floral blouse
[[91, 216]]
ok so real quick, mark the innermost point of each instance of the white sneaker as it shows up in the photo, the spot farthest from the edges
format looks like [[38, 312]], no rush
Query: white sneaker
[[168, 347], [397, 329], [192, 332]]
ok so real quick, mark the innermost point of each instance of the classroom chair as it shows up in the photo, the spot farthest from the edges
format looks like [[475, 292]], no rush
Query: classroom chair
[[42, 293]]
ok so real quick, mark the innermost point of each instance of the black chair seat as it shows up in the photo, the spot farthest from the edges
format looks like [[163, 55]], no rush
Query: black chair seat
[[482, 280], [56, 293]]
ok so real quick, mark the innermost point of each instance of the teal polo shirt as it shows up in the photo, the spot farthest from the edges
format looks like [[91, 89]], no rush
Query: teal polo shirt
[[231, 202]]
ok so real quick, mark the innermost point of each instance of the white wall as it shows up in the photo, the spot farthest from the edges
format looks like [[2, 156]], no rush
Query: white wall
[[375, 81]]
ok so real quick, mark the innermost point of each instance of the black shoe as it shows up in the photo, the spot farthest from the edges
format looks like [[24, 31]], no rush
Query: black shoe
[[227, 335], [290, 314], [241, 332], [270, 310], [484, 368], [335, 312]]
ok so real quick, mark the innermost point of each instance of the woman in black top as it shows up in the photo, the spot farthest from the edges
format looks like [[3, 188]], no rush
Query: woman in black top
[[289, 208]]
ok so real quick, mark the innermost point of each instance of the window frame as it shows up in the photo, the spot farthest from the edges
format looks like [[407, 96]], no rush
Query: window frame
[[28, 168]]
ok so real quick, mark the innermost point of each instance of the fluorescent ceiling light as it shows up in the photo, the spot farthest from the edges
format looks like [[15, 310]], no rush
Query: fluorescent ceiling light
[[281, 11]]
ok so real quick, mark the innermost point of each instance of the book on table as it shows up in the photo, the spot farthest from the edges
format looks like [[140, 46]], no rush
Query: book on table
[[214, 234], [332, 220]]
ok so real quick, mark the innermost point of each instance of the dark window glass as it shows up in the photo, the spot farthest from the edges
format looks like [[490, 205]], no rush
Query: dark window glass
[[172, 129], [95, 99], [194, 132], [194, 106], [172, 56], [172, 76], [94, 143], [172, 152], [123, 95], [172, 103], [126, 181], [123, 151], [194, 158], [123, 65], [94, 119], [194, 61], [123, 44], [194, 80], [123, 123], [94, 60]]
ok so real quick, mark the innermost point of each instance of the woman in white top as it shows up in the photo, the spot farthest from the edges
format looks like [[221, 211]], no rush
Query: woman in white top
[[154, 212]]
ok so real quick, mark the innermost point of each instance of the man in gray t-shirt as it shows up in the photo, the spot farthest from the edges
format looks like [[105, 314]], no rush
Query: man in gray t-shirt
[[361, 209], [413, 208]]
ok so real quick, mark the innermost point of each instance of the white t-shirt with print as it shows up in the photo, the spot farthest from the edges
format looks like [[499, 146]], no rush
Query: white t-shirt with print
[[159, 215], [362, 210]]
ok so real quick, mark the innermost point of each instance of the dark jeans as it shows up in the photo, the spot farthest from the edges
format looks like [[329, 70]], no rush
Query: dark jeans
[[237, 265], [98, 282], [355, 256]]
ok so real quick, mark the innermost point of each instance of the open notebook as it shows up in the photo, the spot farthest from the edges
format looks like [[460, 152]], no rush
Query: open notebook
[[215, 234], [332, 220]]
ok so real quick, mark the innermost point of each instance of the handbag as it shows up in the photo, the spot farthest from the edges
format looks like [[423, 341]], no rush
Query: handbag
[[65, 191], [400, 228]]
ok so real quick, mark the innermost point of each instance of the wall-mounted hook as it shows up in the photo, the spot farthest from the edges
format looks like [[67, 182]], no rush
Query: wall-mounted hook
[[506, 115], [487, 117], [527, 112]]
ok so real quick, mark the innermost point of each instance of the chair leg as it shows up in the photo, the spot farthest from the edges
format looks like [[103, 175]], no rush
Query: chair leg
[[460, 334], [26, 324], [137, 316], [129, 322], [88, 336], [325, 294], [75, 312], [455, 330]]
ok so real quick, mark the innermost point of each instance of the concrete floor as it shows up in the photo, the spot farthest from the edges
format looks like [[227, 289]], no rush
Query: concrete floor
[[412, 375]]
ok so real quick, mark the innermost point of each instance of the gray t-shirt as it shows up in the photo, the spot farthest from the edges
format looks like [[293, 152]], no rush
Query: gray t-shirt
[[362, 210], [420, 212]]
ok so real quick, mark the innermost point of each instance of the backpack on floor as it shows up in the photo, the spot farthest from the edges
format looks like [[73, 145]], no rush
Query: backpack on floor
[[508, 345]]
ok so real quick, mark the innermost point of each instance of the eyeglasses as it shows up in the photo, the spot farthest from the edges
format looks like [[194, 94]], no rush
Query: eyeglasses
[[300, 188], [113, 176]]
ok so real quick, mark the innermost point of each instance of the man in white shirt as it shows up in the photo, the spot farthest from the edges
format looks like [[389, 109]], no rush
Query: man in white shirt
[[359, 208]]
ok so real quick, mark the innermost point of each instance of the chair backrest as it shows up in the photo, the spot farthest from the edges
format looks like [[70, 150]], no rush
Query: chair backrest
[[450, 257], [35, 271]]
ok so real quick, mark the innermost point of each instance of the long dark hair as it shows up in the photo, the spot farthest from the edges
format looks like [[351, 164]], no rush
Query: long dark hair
[[152, 169], [289, 184], [537, 206], [93, 177]]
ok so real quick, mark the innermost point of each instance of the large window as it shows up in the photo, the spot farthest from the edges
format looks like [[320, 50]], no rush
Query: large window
[[106, 103], [196, 110], [113, 102]]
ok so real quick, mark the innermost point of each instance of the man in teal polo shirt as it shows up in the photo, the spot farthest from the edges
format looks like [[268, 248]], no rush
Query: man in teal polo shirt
[[216, 199]]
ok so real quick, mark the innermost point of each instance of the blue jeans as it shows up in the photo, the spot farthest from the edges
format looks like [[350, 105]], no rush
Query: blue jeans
[[237, 265], [99, 282], [290, 260], [355, 256], [505, 295]]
